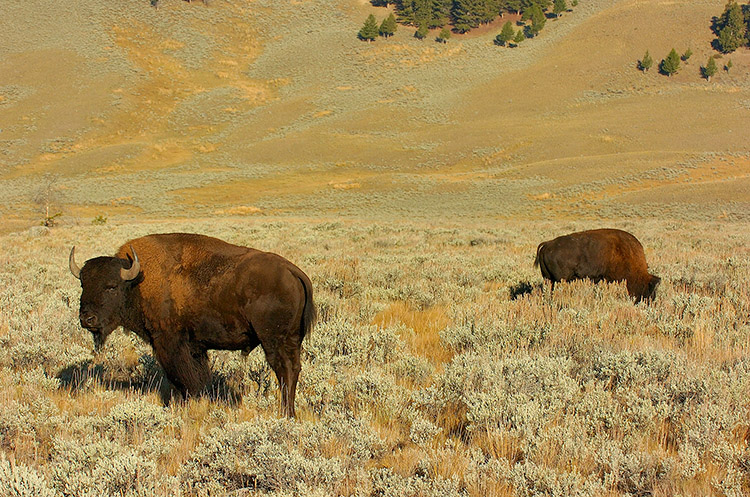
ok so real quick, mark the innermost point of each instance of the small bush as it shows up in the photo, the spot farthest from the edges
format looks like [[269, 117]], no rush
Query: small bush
[[21, 481], [99, 220]]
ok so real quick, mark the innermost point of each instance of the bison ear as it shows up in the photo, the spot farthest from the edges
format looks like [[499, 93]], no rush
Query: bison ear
[[135, 268], [72, 263]]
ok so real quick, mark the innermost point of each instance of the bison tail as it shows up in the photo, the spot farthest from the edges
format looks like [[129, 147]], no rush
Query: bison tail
[[310, 312], [538, 254]]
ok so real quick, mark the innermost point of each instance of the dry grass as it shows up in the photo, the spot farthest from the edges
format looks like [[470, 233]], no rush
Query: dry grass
[[422, 334], [400, 327]]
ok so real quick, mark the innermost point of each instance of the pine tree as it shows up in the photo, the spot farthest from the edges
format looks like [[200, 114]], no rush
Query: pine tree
[[465, 15], [709, 69], [489, 10], [528, 4], [441, 11], [505, 35], [732, 28], [513, 6], [407, 11], [671, 64], [520, 36], [537, 20], [444, 35], [468, 14], [370, 30], [422, 32], [684, 57], [388, 28], [433, 13], [728, 65], [558, 7], [646, 62]]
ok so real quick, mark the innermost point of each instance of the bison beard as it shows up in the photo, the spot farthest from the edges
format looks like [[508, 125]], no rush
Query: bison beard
[[603, 254], [186, 293]]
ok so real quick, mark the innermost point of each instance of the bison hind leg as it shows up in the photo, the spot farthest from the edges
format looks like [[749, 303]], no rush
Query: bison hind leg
[[284, 359]]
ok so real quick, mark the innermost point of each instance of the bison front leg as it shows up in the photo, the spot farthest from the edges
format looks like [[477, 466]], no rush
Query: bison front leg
[[185, 365]]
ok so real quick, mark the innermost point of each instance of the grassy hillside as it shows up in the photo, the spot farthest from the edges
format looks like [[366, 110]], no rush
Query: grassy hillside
[[276, 107]]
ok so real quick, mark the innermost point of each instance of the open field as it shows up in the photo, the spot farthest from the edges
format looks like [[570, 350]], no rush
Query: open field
[[422, 377], [412, 181]]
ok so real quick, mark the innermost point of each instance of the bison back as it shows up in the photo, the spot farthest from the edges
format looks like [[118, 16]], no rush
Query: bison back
[[608, 254], [184, 275]]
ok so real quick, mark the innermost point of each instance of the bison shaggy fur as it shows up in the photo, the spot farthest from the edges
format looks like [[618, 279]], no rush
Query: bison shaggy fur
[[599, 255], [185, 294]]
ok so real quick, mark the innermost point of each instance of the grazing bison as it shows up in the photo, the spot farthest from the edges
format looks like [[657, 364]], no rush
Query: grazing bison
[[186, 293], [603, 254]]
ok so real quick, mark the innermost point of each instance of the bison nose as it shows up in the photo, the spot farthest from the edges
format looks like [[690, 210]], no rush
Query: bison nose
[[88, 319]]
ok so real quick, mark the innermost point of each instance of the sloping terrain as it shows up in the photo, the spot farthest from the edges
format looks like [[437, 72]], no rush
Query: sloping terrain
[[196, 109]]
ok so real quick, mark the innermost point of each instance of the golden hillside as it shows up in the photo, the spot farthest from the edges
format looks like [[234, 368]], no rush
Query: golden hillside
[[238, 108]]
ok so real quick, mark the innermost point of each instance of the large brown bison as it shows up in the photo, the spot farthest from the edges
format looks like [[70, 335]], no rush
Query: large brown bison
[[603, 254], [186, 293]]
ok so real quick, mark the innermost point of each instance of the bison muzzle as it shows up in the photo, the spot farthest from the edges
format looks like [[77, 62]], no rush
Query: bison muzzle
[[185, 294]]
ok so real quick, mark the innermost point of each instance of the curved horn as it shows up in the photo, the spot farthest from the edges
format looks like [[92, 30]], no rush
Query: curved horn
[[72, 263], [135, 268]]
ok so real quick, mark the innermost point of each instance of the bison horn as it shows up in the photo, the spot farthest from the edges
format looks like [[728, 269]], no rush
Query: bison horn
[[135, 268], [72, 263]]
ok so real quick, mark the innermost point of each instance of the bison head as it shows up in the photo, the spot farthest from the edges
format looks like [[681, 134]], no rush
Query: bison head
[[653, 284], [106, 282]]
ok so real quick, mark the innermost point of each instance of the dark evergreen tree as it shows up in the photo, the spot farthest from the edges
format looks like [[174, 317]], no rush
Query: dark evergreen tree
[[506, 34], [537, 20], [671, 64], [422, 32], [370, 30], [407, 10], [512, 6], [388, 27], [542, 4], [732, 29], [488, 10], [684, 57], [444, 35], [520, 36], [558, 7], [709, 69], [433, 13], [468, 14], [728, 65], [465, 15], [646, 62], [441, 10]]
